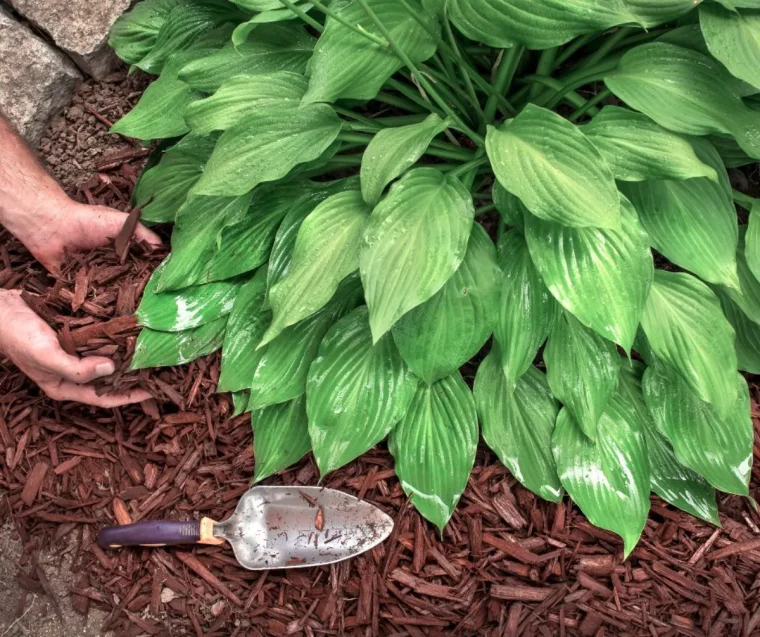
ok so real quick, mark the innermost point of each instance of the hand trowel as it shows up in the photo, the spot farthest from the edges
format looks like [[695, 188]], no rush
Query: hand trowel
[[272, 527]]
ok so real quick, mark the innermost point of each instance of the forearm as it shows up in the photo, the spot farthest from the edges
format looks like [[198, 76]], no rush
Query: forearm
[[27, 192]]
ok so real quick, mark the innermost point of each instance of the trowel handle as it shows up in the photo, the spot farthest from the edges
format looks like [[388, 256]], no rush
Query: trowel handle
[[159, 533]]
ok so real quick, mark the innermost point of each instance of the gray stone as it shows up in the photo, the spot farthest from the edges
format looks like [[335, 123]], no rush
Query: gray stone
[[36, 81], [79, 27]]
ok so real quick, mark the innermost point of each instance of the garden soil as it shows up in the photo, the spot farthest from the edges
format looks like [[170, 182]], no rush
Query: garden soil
[[507, 564]]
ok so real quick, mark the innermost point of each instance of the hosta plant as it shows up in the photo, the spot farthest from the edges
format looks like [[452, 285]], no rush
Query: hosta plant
[[366, 193]]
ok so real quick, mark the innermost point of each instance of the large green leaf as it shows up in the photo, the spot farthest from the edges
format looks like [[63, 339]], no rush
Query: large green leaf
[[162, 190], [510, 208], [527, 309], [747, 293], [686, 92], [733, 37], [740, 4], [392, 151], [347, 65], [600, 276], [582, 369], [637, 149], [686, 328], [576, 186], [280, 437], [692, 222], [194, 239], [752, 241], [183, 27], [536, 25], [747, 335], [439, 336], [187, 308], [608, 479], [276, 47], [518, 421], [326, 251], [281, 367], [730, 152], [434, 447], [244, 30], [265, 145], [245, 243], [673, 482], [134, 33], [355, 393], [650, 13], [719, 449], [245, 327], [164, 349], [242, 94], [415, 240]]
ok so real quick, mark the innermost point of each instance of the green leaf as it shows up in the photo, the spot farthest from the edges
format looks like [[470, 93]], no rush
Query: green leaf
[[747, 335], [576, 188], [393, 151], [536, 25], [162, 190], [264, 146], [183, 26], [686, 328], [281, 367], [165, 349], [243, 94], [194, 239], [415, 240], [245, 327], [752, 241], [730, 152], [582, 369], [134, 33], [187, 308], [326, 251], [527, 309], [600, 276], [686, 92], [244, 30], [740, 4], [439, 336], [346, 65], [434, 447], [693, 222], [276, 47], [355, 392], [280, 437], [637, 149], [747, 293], [257, 6], [673, 482], [650, 13], [240, 402], [608, 479], [510, 208], [518, 421], [718, 449], [733, 38]]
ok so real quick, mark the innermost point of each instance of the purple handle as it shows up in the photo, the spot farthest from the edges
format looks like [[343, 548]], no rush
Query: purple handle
[[152, 533]]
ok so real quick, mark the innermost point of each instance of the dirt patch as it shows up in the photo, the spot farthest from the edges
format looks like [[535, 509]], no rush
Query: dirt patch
[[32, 612]]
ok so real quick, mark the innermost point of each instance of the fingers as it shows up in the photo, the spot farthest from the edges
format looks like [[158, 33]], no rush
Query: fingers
[[148, 236], [87, 395], [78, 370]]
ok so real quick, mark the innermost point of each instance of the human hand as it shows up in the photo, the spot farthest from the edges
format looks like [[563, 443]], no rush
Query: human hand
[[33, 346], [75, 227]]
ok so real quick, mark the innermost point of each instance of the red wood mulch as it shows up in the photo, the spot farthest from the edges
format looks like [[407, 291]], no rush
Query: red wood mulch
[[508, 564]]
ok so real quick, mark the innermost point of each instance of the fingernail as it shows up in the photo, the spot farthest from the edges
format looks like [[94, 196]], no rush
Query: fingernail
[[105, 369]]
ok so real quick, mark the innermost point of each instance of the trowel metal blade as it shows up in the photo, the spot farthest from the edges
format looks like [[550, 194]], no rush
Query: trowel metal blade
[[288, 527]]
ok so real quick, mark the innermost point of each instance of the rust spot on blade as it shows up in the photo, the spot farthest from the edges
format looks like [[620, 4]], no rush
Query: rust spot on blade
[[319, 521]]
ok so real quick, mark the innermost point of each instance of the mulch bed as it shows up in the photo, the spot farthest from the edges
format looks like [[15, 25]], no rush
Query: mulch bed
[[507, 564]]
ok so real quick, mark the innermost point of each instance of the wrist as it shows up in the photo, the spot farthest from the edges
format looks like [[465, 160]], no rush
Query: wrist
[[37, 220]]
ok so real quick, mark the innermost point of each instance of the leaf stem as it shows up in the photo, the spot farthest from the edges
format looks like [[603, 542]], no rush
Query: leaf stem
[[745, 201], [475, 163], [475, 137], [590, 105], [609, 44], [356, 29], [545, 67], [304, 16], [509, 61]]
